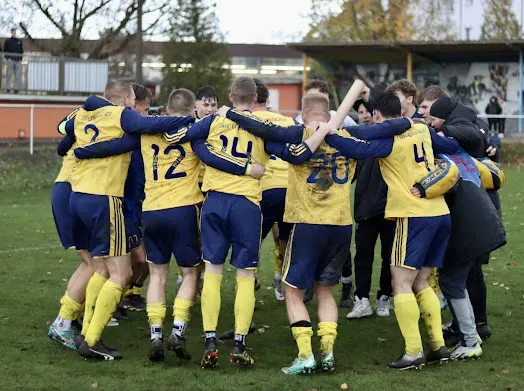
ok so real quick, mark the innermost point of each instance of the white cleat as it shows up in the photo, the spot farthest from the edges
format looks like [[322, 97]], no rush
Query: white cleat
[[361, 309], [465, 352], [279, 295], [383, 305]]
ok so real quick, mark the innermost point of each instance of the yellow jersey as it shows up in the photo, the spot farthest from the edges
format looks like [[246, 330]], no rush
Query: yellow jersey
[[319, 189], [171, 173], [68, 165], [411, 158], [276, 169], [105, 176]]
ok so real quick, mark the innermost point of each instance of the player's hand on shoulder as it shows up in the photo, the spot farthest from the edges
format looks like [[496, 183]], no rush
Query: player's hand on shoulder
[[325, 128], [491, 151], [414, 191], [222, 111], [257, 170]]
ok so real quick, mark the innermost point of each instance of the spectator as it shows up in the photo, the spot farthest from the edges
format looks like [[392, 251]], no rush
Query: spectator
[[13, 52], [495, 124]]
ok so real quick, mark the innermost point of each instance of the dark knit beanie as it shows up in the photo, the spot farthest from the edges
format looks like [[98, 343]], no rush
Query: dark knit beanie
[[443, 107]]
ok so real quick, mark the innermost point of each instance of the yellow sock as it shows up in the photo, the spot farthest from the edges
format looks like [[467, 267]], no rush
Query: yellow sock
[[182, 315], [244, 304], [302, 337], [69, 308], [211, 301], [137, 290], [408, 314], [327, 331], [92, 291], [106, 304], [278, 259], [430, 307], [82, 309], [433, 281], [128, 291], [156, 313]]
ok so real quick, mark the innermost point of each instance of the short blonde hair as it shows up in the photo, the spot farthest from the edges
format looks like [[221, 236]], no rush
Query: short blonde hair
[[181, 101], [117, 89], [243, 90], [315, 101]]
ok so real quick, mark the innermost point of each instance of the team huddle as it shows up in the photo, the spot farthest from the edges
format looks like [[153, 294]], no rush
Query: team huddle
[[135, 190]]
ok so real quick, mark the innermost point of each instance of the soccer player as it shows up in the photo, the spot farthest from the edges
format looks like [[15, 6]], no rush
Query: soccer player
[[132, 206], [320, 239], [72, 302], [206, 102], [421, 235], [273, 186], [406, 92], [320, 86], [96, 205], [231, 202]]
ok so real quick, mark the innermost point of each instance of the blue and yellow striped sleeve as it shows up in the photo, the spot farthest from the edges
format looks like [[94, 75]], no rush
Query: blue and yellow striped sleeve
[[440, 181], [220, 160], [127, 143], [292, 153], [382, 130], [491, 175], [134, 122], [194, 131], [265, 129], [352, 147]]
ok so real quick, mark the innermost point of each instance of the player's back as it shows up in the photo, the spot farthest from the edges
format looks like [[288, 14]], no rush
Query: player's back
[[171, 173], [225, 135], [99, 120], [68, 165], [276, 169], [410, 159], [318, 190]]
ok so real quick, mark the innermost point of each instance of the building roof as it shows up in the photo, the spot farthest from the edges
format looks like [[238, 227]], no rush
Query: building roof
[[157, 48], [395, 51]]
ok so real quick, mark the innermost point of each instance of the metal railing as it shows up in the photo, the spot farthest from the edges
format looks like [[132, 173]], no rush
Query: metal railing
[[52, 75]]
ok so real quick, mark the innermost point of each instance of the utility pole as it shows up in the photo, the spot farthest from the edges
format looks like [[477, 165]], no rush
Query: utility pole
[[139, 43], [460, 20]]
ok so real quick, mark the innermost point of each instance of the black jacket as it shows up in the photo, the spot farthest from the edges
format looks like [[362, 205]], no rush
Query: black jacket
[[13, 45], [371, 192], [476, 226]]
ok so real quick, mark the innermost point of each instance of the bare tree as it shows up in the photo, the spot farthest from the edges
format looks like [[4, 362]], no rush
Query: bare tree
[[76, 19]]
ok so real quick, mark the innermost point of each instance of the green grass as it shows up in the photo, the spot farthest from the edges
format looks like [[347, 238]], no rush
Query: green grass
[[33, 271]]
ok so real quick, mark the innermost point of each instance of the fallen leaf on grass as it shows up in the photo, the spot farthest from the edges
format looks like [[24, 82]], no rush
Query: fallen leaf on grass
[[495, 283], [381, 339], [261, 330], [505, 371], [48, 323], [502, 285], [94, 386], [48, 272], [507, 288], [343, 386], [269, 288], [60, 260], [64, 279]]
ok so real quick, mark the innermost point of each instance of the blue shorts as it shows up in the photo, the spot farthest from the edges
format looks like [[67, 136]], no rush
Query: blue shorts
[[98, 224], [273, 205], [133, 221], [62, 213], [316, 253], [172, 231], [420, 241], [230, 220]]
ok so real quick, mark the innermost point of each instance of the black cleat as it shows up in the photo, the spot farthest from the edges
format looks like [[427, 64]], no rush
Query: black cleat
[[437, 356], [156, 350], [178, 345], [451, 337], [257, 284], [134, 303], [241, 357], [484, 331], [230, 334], [99, 351], [210, 358], [346, 299], [408, 362], [77, 326]]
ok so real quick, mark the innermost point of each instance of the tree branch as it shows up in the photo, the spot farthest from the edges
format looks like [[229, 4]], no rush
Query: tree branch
[[37, 42], [48, 15], [102, 4]]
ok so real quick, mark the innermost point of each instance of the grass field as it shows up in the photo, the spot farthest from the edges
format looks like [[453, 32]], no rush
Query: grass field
[[34, 270]]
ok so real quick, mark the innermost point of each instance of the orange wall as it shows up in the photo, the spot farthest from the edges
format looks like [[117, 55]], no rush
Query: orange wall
[[289, 95], [45, 121]]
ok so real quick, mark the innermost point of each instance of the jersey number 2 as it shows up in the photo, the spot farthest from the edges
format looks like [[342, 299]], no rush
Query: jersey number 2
[[312, 178], [170, 174], [94, 129]]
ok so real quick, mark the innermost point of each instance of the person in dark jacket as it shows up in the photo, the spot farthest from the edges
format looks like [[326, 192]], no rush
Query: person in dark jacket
[[370, 204], [13, 51], [495, 124]]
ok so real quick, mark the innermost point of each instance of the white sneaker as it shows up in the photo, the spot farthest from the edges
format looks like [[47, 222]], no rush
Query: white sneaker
[[383, 305], [113, 323], [361, 309], [465, 352], [279, 295], [501, 135]]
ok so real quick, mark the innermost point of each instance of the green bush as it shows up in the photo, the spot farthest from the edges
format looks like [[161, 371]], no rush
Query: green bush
[[512, 153]]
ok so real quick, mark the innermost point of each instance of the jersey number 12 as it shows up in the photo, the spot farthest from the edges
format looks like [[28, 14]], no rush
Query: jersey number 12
[[170, 174]]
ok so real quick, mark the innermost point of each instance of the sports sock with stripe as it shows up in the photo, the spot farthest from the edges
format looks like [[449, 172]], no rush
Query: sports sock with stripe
[[302, 333], [430, 307], [182, 315], [211, 301], [92, 291], [156, 313]]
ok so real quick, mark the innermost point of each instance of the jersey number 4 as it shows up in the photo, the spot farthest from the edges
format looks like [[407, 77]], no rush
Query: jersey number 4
[[421, 158], [313, 178], [170, 174]]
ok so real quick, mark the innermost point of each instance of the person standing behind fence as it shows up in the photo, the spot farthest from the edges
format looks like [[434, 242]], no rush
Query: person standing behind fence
[[496, 124], [13, 51]]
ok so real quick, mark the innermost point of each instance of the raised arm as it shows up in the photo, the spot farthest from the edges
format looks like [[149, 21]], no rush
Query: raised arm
[[385, 129], [443, 145], [127, 143], [356, 91], [440, 181], [194, 131], [266, 129], [134, 122]]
